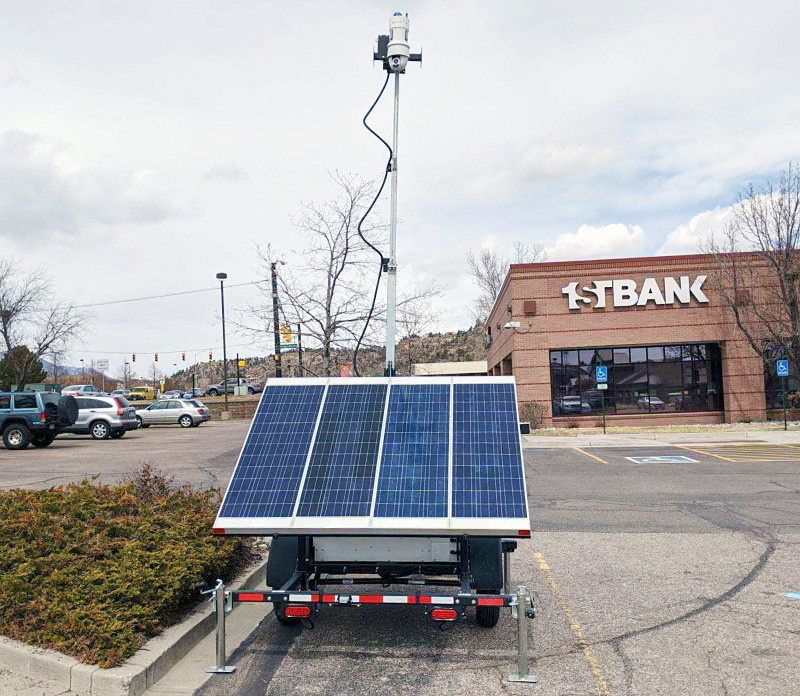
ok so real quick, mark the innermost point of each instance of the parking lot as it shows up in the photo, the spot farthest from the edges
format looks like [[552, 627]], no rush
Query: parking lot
[[650, 577]]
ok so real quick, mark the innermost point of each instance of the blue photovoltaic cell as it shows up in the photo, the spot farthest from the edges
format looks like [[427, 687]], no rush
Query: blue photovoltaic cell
[[487, 465], [341, 472], [267, 477], [413, 474]]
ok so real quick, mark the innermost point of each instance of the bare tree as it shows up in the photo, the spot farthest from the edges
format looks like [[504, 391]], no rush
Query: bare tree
[[330, 284], [31, 316], [416, 316], [125, 374], [489, 269], [155, 375], [762, 290]]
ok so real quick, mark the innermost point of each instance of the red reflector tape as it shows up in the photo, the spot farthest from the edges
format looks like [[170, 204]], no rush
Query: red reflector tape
[[297, 612], [329, 598], [251, 597], [371, 599], [424, 600], [444, 614], [218, 530], [411, 599], [490, 602]]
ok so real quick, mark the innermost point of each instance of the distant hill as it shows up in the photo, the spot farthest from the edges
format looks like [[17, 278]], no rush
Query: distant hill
[[63, 370], [453, 346]]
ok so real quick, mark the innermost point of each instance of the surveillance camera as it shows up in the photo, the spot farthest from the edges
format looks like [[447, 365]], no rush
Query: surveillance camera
[[398, 50], [398, 63]]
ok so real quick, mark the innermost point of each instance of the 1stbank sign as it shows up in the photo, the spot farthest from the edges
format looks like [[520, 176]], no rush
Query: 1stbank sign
[[627, 293]]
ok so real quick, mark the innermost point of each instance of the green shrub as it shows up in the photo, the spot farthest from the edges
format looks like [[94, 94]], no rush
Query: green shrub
[[94, 571]]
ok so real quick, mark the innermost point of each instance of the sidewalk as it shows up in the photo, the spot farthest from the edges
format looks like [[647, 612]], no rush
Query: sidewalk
[[659, 439]]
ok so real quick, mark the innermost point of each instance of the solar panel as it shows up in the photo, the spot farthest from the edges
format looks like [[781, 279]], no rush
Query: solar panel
[[488, 479], [414, 463], [267, 477], [342, 468], [409, 455]]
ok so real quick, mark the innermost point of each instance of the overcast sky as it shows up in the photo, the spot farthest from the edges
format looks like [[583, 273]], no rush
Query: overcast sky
[[145, 146]]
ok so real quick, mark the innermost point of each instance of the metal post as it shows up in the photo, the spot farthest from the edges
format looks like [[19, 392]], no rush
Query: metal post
[[219, 609], [300, 349], [603, 400], [523, 604], [275, 319], [391, 278], [237, 369], [506, 572], [783, 391]]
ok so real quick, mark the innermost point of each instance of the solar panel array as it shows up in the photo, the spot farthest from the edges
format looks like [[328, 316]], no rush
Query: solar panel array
[[380, 455]]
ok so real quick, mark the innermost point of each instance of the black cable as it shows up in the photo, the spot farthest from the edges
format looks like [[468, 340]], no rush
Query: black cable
[[384, 260]]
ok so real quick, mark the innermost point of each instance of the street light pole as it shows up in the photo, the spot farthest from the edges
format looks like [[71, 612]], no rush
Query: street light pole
[[221, 277], [275, 318]]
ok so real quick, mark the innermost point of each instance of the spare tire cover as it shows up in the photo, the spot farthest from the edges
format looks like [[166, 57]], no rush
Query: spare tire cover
[[67, 410]]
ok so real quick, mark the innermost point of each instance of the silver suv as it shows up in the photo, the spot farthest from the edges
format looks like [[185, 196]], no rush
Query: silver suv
[[103, 417], [216, 389], [82, 390]]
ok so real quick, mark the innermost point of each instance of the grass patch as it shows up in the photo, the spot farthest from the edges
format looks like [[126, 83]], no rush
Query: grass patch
[[93, 571]]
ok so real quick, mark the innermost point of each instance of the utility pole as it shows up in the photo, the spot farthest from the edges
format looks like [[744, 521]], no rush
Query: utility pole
[[395, 53], [275, 318], [299, 349], [221, 277]]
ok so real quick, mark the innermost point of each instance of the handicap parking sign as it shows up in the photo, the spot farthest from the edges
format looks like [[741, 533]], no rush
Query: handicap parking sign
[[601, 374], [783, 368]]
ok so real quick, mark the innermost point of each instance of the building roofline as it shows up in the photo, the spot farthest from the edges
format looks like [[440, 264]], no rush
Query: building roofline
[[697, 258]]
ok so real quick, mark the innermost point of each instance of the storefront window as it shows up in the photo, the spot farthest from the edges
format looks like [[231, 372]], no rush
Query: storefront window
[[652, 379]]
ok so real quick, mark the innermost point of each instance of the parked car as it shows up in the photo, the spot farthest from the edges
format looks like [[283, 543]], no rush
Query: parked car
[[34, 417], [103, 417], [184, 412], [141, 394], [193, 393], [172, 394], [571, 405], [120, 392], [81, 389], [217, 390], [651, 403]]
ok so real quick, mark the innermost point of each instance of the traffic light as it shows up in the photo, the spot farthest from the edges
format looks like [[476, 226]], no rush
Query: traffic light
[[210, 355], [133, 357], [183, 356], [287, 333], [156, 358]]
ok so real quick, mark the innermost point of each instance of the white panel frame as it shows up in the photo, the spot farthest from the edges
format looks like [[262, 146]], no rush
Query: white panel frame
[[371, 525]]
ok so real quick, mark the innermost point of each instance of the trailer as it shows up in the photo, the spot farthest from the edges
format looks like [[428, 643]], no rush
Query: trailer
[[413, 488]]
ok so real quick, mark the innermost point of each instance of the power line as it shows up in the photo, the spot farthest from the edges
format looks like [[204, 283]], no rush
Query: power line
[[168, 294]]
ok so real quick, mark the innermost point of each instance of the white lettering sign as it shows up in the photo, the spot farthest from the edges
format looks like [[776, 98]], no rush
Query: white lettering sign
[[626, 293]]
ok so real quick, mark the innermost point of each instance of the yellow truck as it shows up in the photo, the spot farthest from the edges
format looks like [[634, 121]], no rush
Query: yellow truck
[[142, 394]]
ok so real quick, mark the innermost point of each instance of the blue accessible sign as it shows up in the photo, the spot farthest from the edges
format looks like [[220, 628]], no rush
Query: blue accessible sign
[[601, 374], [783, 368]]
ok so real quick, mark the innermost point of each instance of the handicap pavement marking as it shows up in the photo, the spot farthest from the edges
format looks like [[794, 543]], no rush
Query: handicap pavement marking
[[669, 459], [793, 595]]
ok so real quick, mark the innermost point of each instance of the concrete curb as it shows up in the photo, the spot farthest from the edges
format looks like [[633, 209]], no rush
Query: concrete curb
[[139, 672]]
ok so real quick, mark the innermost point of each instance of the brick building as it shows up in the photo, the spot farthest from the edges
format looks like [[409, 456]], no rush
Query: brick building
[[671, 348]]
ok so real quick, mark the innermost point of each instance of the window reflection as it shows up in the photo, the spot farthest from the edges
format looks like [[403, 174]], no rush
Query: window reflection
[[641, 379]]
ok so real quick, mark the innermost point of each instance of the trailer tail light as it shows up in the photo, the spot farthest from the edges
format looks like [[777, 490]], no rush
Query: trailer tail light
[[524, 533], [297, 612], [444, 614], [218, 531]]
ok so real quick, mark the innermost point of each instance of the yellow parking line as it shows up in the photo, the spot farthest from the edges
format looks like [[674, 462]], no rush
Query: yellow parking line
[[710, 454], [578, 449], [588, 653]]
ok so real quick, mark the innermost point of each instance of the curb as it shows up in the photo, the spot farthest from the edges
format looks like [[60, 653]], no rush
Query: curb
[[139, 672]]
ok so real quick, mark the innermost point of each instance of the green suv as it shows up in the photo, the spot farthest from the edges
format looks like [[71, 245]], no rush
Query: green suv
[[34, 417]]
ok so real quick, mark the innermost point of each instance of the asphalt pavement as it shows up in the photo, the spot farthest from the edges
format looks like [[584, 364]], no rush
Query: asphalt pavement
[[649, 578]]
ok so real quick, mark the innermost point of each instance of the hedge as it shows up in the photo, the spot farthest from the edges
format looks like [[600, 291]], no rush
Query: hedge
[[93, 570]]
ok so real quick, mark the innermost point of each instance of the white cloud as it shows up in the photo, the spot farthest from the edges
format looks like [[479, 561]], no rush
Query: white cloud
[[687, 238], [229, 173], [590, 242], [43, 193], [538, 167]]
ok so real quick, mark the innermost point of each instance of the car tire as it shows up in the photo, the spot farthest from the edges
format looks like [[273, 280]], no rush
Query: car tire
[[142, 424], [43, 439], [99, 430], [16, 436], [250, 390], [185, 421], [213, 392]]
